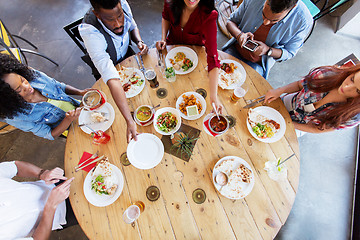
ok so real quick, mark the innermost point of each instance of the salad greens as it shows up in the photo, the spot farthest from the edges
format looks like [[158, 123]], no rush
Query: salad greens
[[263, 131], [166, 122], [99, 186], [187, 64]]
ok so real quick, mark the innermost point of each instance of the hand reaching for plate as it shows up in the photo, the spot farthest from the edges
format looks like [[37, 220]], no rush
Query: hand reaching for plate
[[131, 132]]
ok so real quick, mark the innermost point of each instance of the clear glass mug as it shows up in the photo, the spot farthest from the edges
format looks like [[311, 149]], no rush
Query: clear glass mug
[[133, 212], [239, 92]]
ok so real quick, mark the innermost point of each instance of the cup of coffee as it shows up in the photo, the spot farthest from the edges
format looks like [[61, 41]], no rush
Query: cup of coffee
[[150, 75]]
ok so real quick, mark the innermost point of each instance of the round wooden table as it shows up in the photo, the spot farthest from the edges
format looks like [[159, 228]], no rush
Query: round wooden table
[[175, 215]]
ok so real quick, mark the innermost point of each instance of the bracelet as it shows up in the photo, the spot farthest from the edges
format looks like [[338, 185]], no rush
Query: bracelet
[[237, 37], [41, 172], [141, 41]]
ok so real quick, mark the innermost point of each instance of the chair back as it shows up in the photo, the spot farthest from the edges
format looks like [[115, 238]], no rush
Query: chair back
[[4, 34], [73, 31], [314, 10]]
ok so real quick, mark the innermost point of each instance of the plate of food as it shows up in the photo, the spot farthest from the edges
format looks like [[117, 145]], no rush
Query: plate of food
[[231, 74], [101, 119], [233, 177], [191, 105], [183, 59], [132, 80], [167, 120], [103, 184], [266, 124], [145, 153]]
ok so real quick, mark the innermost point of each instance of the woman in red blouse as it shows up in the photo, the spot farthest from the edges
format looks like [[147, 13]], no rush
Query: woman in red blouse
[[193, 22]]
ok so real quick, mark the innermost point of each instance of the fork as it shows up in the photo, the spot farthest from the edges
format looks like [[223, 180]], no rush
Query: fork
[[252, 100]]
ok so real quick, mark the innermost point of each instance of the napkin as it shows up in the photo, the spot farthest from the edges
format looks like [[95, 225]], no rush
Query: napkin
[[84, 158], [206, 124]]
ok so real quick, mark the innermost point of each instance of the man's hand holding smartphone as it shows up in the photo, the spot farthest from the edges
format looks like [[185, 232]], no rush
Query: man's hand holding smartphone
[[261, 49], [243, 37]]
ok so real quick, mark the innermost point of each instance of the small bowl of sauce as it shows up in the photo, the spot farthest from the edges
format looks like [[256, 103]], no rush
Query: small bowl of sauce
[[93, 99], [218, 125]]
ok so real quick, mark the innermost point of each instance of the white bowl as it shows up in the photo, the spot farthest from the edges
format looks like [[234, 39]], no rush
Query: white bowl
[[171, 110], [199, 98]]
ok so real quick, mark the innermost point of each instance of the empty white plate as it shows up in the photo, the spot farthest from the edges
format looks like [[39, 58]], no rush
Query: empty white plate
[[146, 152]]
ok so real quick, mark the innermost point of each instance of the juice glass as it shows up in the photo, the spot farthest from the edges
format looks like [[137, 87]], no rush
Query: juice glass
[[99, 137], [133, 212]]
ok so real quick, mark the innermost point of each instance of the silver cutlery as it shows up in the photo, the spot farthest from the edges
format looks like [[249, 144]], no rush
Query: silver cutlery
[[138, 63], [286, 159], [142, 63], [86, 124], [252, 100], [254, 103]]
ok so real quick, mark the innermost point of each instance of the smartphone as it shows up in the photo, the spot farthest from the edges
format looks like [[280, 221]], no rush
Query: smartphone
[[250, 45]]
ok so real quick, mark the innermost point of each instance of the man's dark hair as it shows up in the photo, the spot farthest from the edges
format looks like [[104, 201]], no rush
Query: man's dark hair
[[105, 4], [278, 6], [11, 103]]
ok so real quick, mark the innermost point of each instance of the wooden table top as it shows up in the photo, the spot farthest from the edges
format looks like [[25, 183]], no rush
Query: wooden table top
[[175, 215]]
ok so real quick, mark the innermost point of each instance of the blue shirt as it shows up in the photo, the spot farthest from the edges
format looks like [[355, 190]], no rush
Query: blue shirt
[[288, 34], [96, 45], [42, 117]]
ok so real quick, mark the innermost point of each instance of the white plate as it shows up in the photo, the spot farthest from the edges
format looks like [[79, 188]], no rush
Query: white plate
[[242, 72], [247, 187], [138, 88], [273, 114], [199, 98], [85, 117], [189, 53], [146, 152], [103, 200], [173, 111]]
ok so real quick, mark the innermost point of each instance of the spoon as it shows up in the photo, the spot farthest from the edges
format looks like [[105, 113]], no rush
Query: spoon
[[286, 159], [156, 106], [217, 114], [91, 129]]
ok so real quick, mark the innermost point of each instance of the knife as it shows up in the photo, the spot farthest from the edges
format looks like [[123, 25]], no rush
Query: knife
[[142, 63], [91, 123], [254, 103], [138, 63]]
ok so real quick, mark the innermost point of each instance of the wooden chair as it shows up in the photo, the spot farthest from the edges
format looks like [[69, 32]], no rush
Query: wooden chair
[[11, 47]]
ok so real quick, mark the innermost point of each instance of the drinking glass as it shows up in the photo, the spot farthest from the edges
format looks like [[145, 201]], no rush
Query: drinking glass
[[170, 74], [150, 75], [99, 137], [133, 212], [239, 92], [275, 172]]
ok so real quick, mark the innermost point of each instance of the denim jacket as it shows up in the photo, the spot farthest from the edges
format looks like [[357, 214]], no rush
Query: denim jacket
[[42, 117]]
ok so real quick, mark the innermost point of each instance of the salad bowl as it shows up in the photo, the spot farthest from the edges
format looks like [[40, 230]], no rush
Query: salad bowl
[[167, 120]]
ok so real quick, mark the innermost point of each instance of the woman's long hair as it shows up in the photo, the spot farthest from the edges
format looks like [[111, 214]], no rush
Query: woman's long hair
[[340, 113], [177, 7], [11, 103]]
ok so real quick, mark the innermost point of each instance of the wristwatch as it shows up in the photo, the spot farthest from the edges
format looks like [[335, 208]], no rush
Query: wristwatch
[[269, 52]]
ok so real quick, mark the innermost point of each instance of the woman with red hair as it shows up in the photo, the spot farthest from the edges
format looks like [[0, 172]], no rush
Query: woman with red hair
[[328, 98]]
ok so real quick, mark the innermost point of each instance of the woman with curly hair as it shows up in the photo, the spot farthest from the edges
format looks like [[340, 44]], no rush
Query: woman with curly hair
[[34, 102], [193, 22], [328, 98]]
